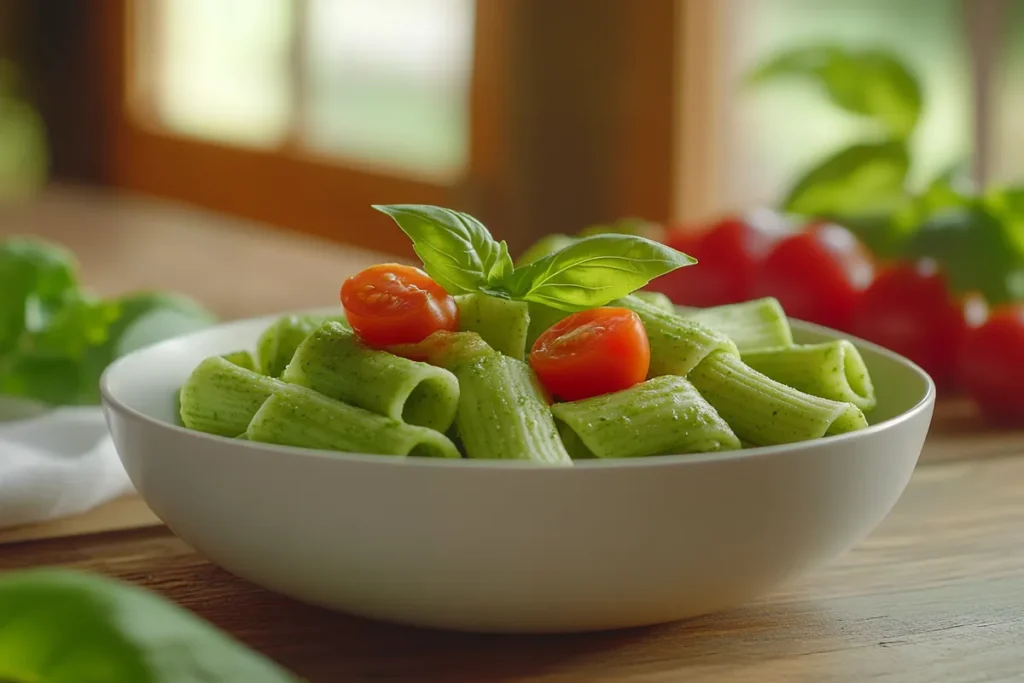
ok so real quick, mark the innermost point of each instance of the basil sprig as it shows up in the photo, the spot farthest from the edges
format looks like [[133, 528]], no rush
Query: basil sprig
[[462, 256]]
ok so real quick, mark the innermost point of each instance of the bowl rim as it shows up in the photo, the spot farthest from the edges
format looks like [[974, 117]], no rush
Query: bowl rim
[[110, 401]]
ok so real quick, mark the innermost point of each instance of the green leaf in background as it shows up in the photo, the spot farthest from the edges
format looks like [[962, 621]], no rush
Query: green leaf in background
[[35, 278], [67, 627], [24, 153], [977, 250], [548, 244], [56, 339], [593, 271], [861, 179], [626, 226], [886, 233], [457, 250], [869, 83]]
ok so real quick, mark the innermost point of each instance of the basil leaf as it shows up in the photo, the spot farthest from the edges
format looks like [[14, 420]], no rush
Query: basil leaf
[[977, 250], [70, 627], [456, 249], [869, 83], [863, 178], [593, 271]]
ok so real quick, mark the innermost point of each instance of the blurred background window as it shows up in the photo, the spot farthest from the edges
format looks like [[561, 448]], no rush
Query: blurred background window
[[380, 84], [537, 116]]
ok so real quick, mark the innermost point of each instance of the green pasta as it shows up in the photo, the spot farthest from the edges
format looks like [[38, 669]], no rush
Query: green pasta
[[242, 359], [661, 416], [656, 299], [220, 397], [541, 318], [503, 413], [757, 324], [764, 412], [502, 323], [833, 370], [677, 344], [278, 343], [297, 416], [333, 362]]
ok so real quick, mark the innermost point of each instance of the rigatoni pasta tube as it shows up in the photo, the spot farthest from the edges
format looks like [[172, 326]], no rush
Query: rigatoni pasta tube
[[751, 325], [661, 416], [278, 343], [677, 345], [220, 397], [297, 416], [502, 323], [763, 412], [335, 363], [833, 370], [503, 414]]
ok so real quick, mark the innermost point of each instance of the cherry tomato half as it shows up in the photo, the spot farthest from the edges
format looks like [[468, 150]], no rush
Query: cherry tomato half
[[816, 275], [396, 304], [591, 353], [727, 256], [909, 310], [992, 364]]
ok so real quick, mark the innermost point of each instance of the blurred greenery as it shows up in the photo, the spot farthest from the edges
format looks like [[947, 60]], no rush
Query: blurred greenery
[[24, 154], [975, 234]]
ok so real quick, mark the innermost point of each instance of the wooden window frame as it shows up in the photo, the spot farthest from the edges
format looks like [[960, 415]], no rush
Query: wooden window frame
[[525, 100]]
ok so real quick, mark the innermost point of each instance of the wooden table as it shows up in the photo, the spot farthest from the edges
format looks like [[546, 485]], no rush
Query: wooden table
[[936, 594]]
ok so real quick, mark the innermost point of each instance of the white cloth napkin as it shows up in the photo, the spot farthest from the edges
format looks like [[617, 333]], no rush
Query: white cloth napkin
[[55, 463]]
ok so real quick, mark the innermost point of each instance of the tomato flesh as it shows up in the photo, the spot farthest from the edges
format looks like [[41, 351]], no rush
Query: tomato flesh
[[591, 353], [992, 365], [817, 275], [727, 256], [908, 309], [392, 303]]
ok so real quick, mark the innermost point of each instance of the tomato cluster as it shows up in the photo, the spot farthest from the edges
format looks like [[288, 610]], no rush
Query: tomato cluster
[[821, 273]]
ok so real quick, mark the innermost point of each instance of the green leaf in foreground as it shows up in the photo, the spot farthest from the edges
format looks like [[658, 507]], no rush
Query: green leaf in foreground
[[863, 178], [457, 250], [869, 83], [977, 251], [593, 271], [66, 627]]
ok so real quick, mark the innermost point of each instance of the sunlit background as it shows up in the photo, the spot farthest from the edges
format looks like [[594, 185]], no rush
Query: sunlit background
[[320, 107]]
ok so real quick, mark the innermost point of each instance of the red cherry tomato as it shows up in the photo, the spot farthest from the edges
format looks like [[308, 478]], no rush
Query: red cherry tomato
[[992, 364], [591, 353], [727, 255], [909, 310], [395, 304], [816, 275]]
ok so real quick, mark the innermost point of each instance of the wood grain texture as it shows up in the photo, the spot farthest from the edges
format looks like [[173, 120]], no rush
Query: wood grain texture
[[936, 594]]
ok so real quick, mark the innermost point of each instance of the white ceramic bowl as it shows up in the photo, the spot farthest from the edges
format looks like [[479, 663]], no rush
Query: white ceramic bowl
[[497, 546]]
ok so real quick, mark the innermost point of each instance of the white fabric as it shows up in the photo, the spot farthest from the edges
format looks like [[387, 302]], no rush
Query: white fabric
[[55, 463]]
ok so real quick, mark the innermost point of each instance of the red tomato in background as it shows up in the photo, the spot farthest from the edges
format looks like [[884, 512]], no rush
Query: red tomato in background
[[992, 364], [727, 255], [392, 303], [593, 352], [909, 310], [816, 275]]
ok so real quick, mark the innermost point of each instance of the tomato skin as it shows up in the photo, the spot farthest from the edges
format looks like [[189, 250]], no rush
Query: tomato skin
[[727, 254], [992, 365], [908, 309], [392, 303], [591, 353], [817, 275]]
